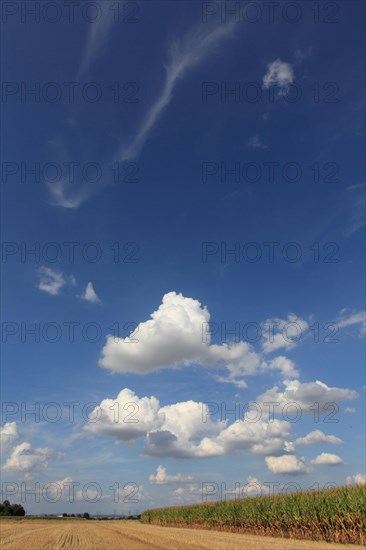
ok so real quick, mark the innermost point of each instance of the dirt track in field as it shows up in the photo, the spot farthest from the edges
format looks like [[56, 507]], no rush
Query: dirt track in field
[[132, 535]]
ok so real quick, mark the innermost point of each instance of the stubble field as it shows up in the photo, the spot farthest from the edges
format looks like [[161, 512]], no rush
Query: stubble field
[[65, 534]]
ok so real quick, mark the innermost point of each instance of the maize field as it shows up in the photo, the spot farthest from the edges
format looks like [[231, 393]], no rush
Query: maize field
[[332, 515]]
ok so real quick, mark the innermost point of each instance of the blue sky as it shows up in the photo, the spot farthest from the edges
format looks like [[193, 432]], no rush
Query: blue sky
[[238, 206]]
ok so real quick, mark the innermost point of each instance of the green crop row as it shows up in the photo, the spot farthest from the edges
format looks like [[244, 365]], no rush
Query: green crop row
[[333, 515]]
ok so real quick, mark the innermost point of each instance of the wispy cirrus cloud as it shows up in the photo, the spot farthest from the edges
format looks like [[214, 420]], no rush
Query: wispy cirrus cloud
[[357, 207], [196, 45], [63, 194], [356, 318], [97, 39], [256, 143]]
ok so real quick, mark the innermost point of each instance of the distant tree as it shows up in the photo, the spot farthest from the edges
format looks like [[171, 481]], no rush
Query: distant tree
[[64, 515], [72, 516], [7, 509], [86, 515], [17, 510]]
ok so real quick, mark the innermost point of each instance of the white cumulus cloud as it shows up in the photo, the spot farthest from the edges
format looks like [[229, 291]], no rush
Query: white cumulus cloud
[[90, 295], [284, 365], [286, 464], [24, 459], [175, 336], [8, 436], [357, 479], [172, 336], [162, 478], [317, 437], [181, 430], [50, 281], [279, 73], [327, 458], [306, 394], [283, 333], [190, 494], [127, 417]]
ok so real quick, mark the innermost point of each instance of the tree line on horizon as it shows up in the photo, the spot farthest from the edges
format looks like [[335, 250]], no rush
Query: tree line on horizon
[[7, 509]]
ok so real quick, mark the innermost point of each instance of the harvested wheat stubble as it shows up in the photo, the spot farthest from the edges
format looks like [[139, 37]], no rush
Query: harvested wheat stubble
[[133, 535]]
